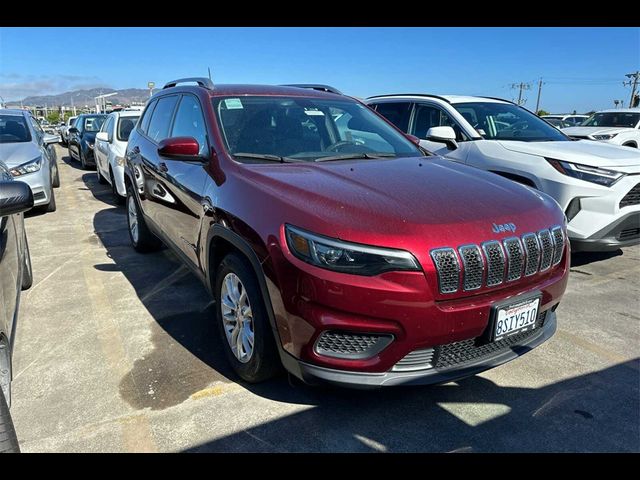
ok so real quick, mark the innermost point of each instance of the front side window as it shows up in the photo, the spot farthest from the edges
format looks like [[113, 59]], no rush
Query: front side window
[[306, 129], [427, 116], [36, 126], [125, 127], [506, 121], [161, 118], [13, 129], [146, 117], [189, 122], [613, 119], [396, 112]]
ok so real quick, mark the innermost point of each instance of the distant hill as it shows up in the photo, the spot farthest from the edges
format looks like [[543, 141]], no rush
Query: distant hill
[[86, 97]]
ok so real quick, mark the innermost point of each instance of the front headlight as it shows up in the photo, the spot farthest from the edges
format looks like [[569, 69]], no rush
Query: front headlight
[[607, 136], [28, 167], [597, 175], [345, 257], [120, 161]]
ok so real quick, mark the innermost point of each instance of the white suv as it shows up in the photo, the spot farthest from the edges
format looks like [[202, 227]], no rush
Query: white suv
[[620, 127], [110, 148], [597, 185], [570, 119]]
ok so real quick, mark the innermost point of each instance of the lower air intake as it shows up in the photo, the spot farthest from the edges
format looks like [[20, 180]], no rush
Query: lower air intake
[[351, 345]]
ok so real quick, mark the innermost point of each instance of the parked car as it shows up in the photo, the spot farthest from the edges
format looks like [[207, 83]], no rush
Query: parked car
[[110, 148], [556, 122], [82, 137], [596, 185], [30, 155], [64, 131], [619, 127], [340, 251], [570, 119], [15, 275]]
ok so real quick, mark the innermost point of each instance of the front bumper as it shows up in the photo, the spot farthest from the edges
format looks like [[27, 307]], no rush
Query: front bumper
[[118, 178], [314, 374], [40, 183], [623, 232]]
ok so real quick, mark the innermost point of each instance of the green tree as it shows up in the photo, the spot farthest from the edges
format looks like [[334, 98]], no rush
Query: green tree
[[53, 117], [542, 112]]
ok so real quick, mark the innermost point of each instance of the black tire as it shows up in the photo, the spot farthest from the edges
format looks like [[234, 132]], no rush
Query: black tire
[[27, 272], [264, 362], [146, 241], [51, 206], [8, 438], [119, 199], [101, 179], [55, 181], [82, 162]]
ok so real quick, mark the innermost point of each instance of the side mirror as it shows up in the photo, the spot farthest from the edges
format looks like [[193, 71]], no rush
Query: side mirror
[[73, 130], [180, 148], [15, 197], [413, 139], [49, 139], [444, 135], [103, 136]]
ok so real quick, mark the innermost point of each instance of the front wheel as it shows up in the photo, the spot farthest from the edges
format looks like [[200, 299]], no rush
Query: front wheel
[[56, 177], [141, 237], [27, 273], [101, 179], [8, 438], [119, 199], [243, 322]]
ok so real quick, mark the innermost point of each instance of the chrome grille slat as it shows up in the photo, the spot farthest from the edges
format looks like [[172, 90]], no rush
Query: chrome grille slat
[[473, 267], [558, 238], [416, 360], [546, 245], [448, 269], [532, 249], [495, 262], [515, 257], [494, 254]]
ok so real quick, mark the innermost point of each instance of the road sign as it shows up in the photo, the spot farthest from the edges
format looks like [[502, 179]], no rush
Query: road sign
[[151, 85]]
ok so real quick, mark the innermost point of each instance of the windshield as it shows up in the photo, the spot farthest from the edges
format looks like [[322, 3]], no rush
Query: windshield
[[306, 129], [93, 124], [613, 119], [13, 129], [505, 121], [125, 125]]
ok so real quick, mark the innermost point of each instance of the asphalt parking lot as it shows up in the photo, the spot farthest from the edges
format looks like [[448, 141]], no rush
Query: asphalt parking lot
[[116, 351]]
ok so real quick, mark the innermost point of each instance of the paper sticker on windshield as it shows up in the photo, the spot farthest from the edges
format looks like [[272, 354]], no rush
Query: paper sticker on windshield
[[233, 103], [313, 112]]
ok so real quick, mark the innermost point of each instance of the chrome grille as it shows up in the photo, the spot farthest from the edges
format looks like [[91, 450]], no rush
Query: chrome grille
[[495, 262], [473, 266], [532, 248], [416, 360], [546, 245], [515, 257], [558, 240], [505, 261], [448, 268]]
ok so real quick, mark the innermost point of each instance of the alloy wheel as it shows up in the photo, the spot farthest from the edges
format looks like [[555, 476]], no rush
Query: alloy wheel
[[237, 317]]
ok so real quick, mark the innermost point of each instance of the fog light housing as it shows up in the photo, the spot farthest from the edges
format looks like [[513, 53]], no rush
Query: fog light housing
[[351, 345], [573, 209]]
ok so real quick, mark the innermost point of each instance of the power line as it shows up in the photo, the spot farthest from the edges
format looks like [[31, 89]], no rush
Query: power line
[[635, 76], [521, 87]]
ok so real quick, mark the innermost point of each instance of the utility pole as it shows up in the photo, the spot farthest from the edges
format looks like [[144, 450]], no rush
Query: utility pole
[[521, 86], [540, 82], [633, 84]]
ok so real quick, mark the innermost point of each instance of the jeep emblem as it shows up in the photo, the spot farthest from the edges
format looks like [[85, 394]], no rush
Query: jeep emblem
[[504, 227]]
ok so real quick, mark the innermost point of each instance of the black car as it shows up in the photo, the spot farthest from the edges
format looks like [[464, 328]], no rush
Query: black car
[[15, 275], [82, 137]]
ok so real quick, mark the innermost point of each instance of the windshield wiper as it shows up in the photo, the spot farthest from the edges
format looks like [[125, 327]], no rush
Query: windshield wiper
[[265, 156], [354, 156]]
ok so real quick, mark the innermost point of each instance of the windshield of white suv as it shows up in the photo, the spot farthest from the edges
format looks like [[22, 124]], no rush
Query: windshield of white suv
[[306, 129], [13, 129], [612, 119], [505, 121]]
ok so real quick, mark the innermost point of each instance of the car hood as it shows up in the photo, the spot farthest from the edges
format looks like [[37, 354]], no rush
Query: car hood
[[396, 202], [14, 154], [585, 152], [584, 131]]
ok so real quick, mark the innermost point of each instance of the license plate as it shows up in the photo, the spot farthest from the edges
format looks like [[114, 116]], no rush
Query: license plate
[[515, 318]]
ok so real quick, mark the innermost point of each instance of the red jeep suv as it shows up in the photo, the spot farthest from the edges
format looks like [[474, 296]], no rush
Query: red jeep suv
[[333, 245]]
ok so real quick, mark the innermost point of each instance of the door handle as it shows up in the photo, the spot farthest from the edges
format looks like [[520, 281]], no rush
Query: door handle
[[163, 167]]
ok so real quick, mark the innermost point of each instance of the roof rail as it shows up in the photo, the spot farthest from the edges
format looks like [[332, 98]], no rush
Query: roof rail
[[202, 81], [498, 98], [410, 95], [314, 86]]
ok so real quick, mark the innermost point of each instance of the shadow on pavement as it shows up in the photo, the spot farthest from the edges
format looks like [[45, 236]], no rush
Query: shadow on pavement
[[579, 259]]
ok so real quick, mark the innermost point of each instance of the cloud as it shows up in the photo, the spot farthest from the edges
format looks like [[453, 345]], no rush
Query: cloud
[[16, 86]]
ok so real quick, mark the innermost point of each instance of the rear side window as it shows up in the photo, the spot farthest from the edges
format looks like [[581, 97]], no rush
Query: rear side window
[[146, 117], [190, 122], [161, 118], [125, 126], [396, 112]]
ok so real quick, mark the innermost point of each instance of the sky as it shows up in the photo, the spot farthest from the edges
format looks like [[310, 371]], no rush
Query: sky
[[582, 68]]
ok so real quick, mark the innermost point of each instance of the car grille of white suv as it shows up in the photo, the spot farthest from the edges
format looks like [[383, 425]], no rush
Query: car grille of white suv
[[471, 267]]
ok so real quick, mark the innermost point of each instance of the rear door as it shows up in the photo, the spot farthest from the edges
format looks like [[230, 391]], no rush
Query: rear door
[[184, 180]]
